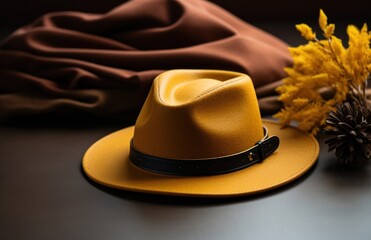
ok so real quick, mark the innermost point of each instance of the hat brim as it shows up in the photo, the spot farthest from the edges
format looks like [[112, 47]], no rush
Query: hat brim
[[107, 162]]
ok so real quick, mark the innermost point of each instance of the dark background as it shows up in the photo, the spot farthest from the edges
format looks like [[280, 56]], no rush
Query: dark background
[[14, 13]]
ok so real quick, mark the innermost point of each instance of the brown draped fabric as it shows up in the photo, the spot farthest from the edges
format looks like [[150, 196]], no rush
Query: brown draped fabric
[[74, 64]]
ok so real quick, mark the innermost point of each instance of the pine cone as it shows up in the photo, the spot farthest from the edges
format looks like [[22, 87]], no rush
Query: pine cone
[[350, 128]]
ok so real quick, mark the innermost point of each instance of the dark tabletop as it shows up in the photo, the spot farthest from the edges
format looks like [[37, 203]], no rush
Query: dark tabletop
[[45, 195]]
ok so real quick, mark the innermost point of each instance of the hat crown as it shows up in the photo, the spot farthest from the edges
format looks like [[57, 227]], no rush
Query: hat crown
[[194, 114]]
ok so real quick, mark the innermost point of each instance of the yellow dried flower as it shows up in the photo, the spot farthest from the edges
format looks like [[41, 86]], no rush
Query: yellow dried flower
[[329, 30], [306, 31], [322, 20], [324, 74], [358, 55]]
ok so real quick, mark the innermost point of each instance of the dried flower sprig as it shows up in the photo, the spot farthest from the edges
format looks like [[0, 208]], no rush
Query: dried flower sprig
[[324, 74]]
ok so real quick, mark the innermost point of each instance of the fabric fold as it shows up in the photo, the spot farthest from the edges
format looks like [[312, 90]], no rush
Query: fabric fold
[[74, 64]]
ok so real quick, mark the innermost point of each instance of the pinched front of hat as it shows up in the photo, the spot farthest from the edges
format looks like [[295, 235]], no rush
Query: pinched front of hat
[[195, 114]]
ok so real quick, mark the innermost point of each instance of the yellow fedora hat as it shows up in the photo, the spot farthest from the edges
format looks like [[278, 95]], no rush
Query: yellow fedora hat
[[200, 133]]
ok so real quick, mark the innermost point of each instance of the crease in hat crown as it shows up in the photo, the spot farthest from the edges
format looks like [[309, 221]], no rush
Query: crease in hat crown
[[195, 114]]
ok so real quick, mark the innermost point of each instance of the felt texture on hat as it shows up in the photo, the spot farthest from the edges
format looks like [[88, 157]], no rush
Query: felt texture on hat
[[101, 66], [200, 113], [106, 162]]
